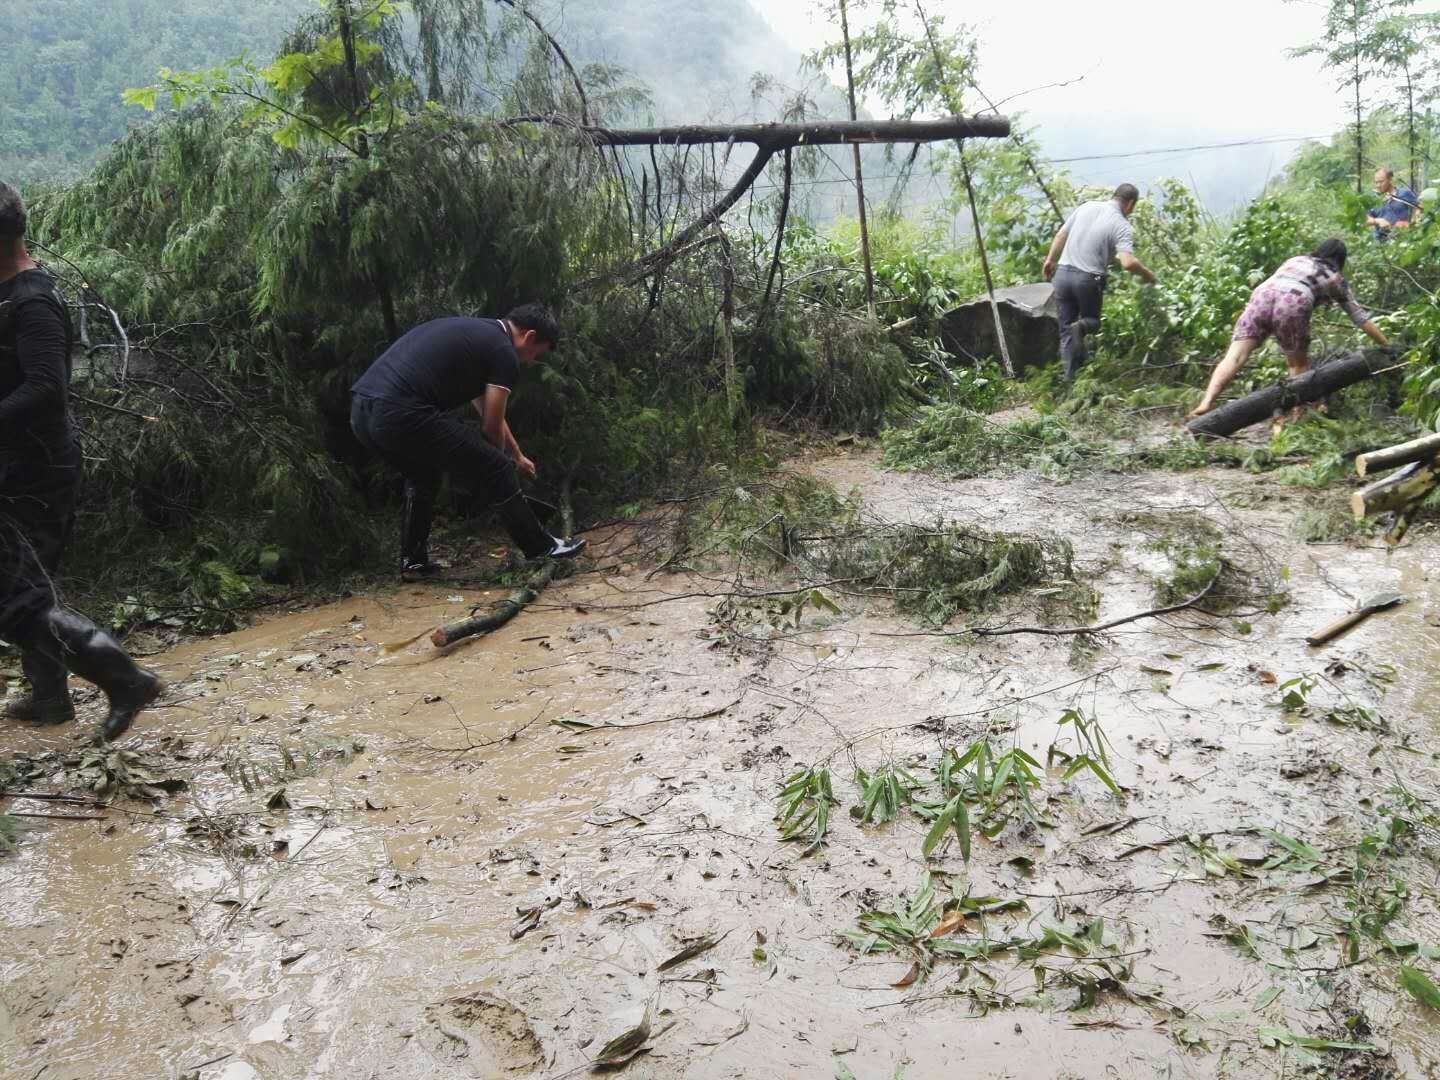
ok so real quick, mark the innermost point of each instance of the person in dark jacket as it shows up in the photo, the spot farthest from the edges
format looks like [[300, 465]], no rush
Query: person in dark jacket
[[39, 477], [400, 409]]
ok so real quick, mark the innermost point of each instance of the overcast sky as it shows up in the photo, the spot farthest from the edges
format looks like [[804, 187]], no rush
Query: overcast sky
[[1163, 75]]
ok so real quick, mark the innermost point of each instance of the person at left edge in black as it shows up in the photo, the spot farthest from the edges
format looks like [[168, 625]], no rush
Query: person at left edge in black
[[39, 479]]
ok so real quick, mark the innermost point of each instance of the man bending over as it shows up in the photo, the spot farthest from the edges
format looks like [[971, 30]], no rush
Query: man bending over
[[400, 410]]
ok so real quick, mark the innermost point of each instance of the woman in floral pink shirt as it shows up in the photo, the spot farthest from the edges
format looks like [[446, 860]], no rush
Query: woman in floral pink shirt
[[1281, 306]]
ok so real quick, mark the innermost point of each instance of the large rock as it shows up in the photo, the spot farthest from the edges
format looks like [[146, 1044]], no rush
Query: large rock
[[1031, 328]]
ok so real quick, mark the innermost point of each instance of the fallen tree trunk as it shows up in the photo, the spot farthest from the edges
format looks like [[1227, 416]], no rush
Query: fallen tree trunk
[[769, 140], [1426, 448], [1315, 384], [778, 136], [1400, 490]]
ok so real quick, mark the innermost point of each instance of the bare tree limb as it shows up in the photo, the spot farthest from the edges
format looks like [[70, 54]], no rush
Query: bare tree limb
[[524, 10], [779, 236], [1060, 631]]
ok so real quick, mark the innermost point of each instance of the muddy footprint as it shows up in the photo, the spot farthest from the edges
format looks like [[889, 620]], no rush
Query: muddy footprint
[[481, 1035]]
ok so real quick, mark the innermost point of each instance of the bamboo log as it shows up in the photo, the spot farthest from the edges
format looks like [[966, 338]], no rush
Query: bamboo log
[[1425, 448], [1398, 491], [522, 597], [502, 613], [1315, 384]]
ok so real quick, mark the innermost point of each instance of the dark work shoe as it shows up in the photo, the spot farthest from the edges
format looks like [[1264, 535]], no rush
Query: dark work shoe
[[51, 711], [411, 568], [126, 703]]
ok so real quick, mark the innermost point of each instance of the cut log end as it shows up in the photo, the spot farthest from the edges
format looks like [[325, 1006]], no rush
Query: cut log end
[[440, 638], [1426, 448], [1401, 490]]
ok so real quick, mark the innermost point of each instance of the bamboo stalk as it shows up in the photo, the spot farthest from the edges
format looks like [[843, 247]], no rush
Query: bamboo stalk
[[504, 611]]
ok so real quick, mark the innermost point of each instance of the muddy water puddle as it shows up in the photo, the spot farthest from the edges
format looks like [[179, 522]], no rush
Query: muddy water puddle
[[343, 889]]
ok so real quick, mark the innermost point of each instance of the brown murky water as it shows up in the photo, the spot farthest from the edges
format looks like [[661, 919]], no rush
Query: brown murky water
[[366, 930]]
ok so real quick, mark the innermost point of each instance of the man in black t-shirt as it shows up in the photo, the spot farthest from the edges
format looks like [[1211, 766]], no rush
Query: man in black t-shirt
[[399, 409], [39, 476]]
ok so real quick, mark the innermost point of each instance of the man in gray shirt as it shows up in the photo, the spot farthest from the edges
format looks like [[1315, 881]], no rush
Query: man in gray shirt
[[1093, 236]]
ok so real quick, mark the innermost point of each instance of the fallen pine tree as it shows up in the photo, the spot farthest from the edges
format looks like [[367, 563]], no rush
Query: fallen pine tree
[[1319, 382]]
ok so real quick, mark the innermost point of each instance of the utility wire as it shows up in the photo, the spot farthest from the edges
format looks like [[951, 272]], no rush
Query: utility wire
[[1187, 149], [1086, 157]]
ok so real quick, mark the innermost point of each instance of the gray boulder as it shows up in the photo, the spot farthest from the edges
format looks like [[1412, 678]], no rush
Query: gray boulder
[[1031, 328]]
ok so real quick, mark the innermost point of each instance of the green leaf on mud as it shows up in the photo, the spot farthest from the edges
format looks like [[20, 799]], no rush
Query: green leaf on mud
[[626, 1045], [693, 950], [1271, 1037], [1422, 988], [1298, 848], [575, 723], [954, 815], [1266, 997]]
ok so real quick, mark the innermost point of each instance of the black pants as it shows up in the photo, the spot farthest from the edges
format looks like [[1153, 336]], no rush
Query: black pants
[[1078, 295], [37, 514], [423, 444]]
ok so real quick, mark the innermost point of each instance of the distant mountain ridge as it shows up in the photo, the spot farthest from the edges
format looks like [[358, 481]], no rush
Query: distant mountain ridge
[[68, 60], [65, 63]]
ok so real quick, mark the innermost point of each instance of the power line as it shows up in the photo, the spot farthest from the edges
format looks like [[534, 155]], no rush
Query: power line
[[1187, 149], [1086, 157]]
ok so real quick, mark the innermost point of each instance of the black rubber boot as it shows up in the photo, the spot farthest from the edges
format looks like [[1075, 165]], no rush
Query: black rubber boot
[[69, 638], [416, 512], [545, 512], [49, 699], [1081, 352], [530, 536]]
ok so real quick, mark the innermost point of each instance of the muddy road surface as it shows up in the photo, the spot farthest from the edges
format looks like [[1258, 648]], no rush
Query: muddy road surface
[[493, 860]]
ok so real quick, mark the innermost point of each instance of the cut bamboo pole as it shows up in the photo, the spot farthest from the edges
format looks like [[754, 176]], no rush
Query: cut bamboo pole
[[502, 613], [1398, 491], [1425, 448]]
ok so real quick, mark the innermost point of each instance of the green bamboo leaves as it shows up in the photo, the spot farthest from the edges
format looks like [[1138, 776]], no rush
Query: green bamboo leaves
[[956, 816], [1093, 745], [804, 806], [883, 793], [1421, 987]]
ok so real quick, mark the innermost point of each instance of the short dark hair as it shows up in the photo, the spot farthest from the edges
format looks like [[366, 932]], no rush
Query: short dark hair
[[1387, 172], [1331, 251], [1127, 193], [539, 318], [12, 213]]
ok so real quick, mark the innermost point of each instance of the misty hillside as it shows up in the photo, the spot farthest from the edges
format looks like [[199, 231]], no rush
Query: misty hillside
[[60, 84], [66, 61]]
